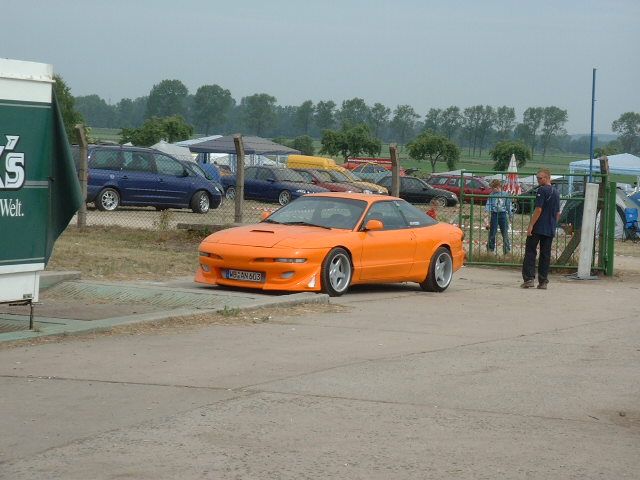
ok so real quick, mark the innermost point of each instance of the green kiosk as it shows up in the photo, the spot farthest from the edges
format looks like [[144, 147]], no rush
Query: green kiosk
[[39, 188]]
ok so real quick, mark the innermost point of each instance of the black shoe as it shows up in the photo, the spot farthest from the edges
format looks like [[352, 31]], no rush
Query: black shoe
[[527, 284], [542, 285]]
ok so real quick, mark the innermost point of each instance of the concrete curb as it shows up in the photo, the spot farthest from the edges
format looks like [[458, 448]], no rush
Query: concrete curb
[[79, 327]]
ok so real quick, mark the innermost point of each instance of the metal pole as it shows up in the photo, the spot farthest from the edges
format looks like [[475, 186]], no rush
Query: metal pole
[[395, 170], [593, 104], [239, 200]]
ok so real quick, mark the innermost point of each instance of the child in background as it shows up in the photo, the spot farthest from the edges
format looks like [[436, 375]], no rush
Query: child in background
[[498, 209], [433, 211]]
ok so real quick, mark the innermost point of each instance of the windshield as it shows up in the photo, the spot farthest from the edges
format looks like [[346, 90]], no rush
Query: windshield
[[321, 211], [350, 176], [337, 176], [323, 176], [194, 167], [288, 175]]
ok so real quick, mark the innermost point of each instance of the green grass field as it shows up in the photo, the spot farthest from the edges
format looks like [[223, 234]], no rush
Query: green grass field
[[104, 134]]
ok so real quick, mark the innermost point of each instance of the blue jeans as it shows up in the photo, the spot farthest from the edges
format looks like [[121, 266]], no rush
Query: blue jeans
[[499, 219]]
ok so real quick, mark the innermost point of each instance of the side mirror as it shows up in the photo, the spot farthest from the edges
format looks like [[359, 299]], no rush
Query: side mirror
[[264, 215], [185, 173], [374, 225]]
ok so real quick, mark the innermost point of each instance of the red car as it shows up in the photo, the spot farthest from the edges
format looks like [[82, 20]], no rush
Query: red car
[[452, 183], [321, 178]]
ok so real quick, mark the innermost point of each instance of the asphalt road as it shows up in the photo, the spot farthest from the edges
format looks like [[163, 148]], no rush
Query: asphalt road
[[485, 381]]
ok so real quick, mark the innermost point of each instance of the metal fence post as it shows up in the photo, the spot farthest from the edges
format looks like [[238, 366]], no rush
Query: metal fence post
[[82, 175], [239, 199], [395, 170], [611, 229]]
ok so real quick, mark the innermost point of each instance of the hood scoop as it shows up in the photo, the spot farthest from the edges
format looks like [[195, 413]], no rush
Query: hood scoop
[[256, 230]]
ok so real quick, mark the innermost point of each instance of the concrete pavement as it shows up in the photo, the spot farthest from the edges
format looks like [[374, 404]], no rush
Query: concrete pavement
[[483, 381]]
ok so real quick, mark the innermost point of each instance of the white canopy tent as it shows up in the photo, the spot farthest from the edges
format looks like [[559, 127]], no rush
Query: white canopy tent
[[621, 164], [182, 153]]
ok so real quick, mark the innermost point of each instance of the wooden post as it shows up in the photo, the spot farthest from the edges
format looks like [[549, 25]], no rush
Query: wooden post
[[82, 175], [395, 170], [239, 200]]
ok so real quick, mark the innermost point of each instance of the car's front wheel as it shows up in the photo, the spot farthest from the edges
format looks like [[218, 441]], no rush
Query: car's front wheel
[[284, 197], [200, 202], [336, 272], [440, 271], [230, 193], [107, 200], [440, 201]]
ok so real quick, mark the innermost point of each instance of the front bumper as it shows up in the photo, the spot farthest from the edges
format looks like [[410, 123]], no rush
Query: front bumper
[[298, 277]]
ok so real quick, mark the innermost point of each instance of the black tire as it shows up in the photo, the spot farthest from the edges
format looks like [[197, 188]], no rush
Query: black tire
[[336, 272], [200, 202], [107, 200], [230, 193], [284, 198], [440, 271], [440, 201]]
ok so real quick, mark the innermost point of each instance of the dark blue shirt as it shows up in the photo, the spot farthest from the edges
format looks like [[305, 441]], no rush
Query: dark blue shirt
[[547, 198]]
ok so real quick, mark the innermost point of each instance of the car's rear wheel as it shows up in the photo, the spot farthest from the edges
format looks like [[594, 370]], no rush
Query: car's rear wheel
[[230, 193], [440, 201], [107, 200], [440, 271], [336, 272], [200, 202], [284, 197]]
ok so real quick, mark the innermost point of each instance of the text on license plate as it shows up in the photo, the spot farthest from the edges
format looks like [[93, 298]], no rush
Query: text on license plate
[[244, 275]]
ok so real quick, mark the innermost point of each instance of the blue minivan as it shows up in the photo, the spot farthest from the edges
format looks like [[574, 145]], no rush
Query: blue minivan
[[136, 176]]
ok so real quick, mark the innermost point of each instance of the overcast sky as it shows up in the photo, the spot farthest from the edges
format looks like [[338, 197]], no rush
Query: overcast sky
[[418, 52]]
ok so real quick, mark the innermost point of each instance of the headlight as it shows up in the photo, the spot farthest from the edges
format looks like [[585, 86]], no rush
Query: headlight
[[210, 255], [367, 191], [302, 191]]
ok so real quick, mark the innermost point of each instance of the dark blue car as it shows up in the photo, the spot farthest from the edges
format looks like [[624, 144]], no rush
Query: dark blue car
[[135, 176], [272, 184]]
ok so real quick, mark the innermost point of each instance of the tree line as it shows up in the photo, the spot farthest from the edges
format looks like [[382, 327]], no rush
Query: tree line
[[212, 109]]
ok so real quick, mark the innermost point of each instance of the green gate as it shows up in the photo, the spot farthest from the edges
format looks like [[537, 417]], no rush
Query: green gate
[[474, 221]]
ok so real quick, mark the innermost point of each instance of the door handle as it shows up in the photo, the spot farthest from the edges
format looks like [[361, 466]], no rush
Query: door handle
[[124, 177]]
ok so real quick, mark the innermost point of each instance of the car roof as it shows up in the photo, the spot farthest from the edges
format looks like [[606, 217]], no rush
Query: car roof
[[367, 197]]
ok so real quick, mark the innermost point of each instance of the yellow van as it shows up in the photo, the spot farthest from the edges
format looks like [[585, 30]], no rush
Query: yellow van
[[322, 163], [307, 161]]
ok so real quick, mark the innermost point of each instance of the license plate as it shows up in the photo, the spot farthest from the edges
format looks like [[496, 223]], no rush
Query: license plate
[[244, 275]]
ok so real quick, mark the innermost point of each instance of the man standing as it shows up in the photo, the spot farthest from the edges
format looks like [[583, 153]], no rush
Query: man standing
[[542, 229]]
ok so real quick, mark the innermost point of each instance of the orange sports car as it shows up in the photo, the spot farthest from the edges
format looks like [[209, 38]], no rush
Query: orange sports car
[[329, 241]]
